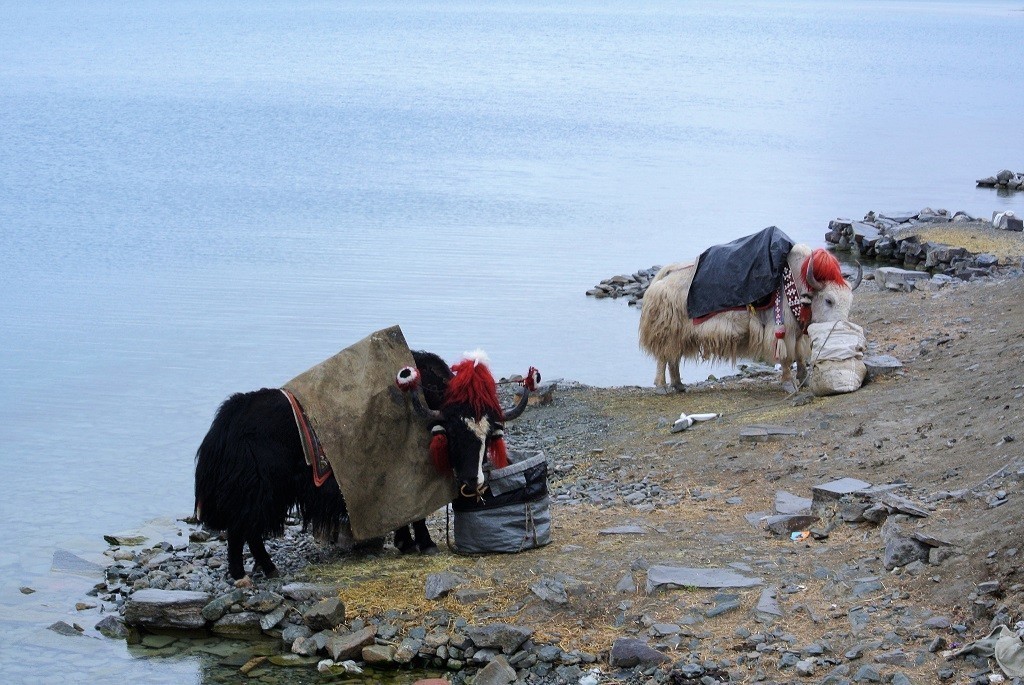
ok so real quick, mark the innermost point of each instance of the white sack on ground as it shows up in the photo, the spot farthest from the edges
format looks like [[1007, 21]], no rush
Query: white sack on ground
[[837, 353]]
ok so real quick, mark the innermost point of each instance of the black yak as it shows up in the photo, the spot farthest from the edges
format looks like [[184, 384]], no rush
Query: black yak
[[251, 470]]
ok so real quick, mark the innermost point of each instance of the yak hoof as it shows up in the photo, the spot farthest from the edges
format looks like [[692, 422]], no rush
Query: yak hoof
[[789, 386], [430, 550], [663, 390], [679, 388], [244, 582]]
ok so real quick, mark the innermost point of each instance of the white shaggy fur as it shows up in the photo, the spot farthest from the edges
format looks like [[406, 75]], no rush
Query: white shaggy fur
[[668, 334]]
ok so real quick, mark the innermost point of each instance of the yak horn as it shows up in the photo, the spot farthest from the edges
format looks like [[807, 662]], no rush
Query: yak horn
[[860, 276], [529, 383], [431, 415], [812, 282]]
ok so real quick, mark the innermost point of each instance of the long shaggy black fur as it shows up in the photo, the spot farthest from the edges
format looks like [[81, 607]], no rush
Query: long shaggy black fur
[[251, 471]]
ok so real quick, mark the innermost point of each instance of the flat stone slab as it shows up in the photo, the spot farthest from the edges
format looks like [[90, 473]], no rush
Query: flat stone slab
[[788, 523], [837, 488], [623, 530], [903, 505], [788, 503], [766, 433], [930, 540], [670, 577], [768, 602], [882, 365], [175, 609]]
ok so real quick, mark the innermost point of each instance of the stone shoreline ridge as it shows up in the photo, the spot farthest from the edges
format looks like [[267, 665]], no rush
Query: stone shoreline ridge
[[1012, 180], [886, 237]]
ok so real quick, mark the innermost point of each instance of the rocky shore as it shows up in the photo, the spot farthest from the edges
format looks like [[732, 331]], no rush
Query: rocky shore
[[1004, 179], [856, 538]]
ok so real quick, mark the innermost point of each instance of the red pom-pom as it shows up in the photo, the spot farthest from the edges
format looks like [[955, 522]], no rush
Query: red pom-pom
[[439, 453], [497, 454], [826, 268], [532, 379], [780, 333]]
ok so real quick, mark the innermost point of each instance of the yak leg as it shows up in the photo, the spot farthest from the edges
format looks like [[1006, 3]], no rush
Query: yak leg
[[423, 542], [236, 542], [403, 540], [673, 371], [261, 557], [659, 376]]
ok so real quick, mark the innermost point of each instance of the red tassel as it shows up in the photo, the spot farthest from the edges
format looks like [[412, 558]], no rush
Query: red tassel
[[805, 317], [439, 453], [497, 454]]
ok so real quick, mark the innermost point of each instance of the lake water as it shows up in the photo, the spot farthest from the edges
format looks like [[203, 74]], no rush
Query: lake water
[[198, 198]]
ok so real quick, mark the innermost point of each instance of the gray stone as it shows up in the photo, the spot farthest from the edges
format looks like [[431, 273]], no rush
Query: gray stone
[[723, 607], [768, 602], [669, 577], [766, 433], [174, 609], [113, 627], [219, 605], [468, 595], [876, 513], [243, 625], [497, 672], [263, 602], [900, 551], [440, 584], [629, 652], [378, 654], [891, 278], [788, 503], [350, 645], [788, 523], [882, 365], [937, 555], [291, 633], [836, 489], [316, 642], [626, 584], [896, 657], [858, 620], [325, 614], [407, 650], [272, 618], [63, 628], [501, 636], [867, 674], [903, 505], [301, 592], [805, 667]]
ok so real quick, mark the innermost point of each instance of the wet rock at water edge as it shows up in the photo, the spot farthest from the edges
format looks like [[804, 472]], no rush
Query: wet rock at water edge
[[503, 636], [113, 627], [173, 609], [63, 628], [350, 646], [325, 614]]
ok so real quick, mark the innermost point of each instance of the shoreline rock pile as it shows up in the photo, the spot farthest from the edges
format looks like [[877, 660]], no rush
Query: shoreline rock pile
[[1004, 179], [893, 237], [632, 286]]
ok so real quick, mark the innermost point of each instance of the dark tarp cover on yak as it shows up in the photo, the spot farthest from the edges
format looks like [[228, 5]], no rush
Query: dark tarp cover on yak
[[738, 273], [377, 445]]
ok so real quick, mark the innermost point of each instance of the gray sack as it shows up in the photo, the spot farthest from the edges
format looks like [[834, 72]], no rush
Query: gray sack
[[514, 514]]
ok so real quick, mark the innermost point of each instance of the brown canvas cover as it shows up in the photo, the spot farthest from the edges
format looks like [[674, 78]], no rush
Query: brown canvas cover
[[377, 445]]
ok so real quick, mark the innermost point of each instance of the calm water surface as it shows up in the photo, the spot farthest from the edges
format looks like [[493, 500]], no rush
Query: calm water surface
[[198, 198]]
